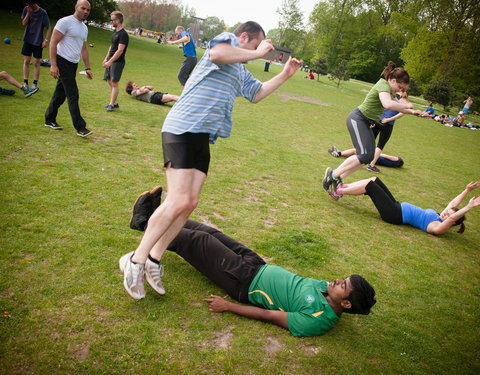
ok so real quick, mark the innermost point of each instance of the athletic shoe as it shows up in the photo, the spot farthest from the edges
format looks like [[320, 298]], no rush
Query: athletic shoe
[[334, 195], [335, 152], [327, 180], [154, 273], [34, 86], [84, 132], [53, 125], [144, 206], [373, 168], [7, 91], [29, 91], [132, 276], [110, 108], [114, 106], [336, 183]]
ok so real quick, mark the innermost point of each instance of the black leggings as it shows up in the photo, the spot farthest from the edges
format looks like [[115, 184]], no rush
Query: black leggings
[[388, 208], [385, 131], [229, 264]]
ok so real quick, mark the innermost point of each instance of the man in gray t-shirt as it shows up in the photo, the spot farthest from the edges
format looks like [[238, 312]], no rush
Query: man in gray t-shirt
[[34, 19]]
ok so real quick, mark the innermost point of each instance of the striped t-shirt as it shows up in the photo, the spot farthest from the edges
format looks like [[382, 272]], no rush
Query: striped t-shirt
[[206, 103]]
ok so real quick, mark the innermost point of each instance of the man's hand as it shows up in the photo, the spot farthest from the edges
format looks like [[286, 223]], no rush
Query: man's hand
[[264, 47], [416, 112], [54, 71], [89, 74], [291, 66], [217, 304], [44, 44]]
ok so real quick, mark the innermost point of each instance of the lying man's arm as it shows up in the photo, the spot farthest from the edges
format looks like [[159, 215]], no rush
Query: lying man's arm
[[218, 304]]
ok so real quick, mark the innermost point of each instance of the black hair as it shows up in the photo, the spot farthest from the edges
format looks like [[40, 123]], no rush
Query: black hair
[[362, 296], [252, 28], [129, 87], [459, 222]]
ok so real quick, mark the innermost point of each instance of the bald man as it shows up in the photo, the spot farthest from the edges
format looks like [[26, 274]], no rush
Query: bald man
[[68, 44]]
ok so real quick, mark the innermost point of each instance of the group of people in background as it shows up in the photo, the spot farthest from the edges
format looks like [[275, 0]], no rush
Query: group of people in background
[[457, 121]]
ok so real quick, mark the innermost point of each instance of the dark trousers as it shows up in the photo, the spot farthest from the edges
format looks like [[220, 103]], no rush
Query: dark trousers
[[227, 263], [186, 68], [387, 206], [66, 89]]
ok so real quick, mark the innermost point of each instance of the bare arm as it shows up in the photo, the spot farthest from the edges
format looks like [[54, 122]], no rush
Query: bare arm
[[108, 62], [142, 90], [224, 53], [183, 39], [218, 304], [436, 227], [393, 118], [47, 37], [290, 68], [27, 17], [57, 36], [86, 60], [393, 105], [455, 202]]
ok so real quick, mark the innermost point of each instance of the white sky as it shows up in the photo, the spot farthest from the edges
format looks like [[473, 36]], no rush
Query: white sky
[[262, 11]]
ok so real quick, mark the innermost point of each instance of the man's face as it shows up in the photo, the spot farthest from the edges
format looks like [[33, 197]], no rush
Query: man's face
[[82, 10], [134, 86], [178, 31], [250, 44], [115, 21], [339, 289]]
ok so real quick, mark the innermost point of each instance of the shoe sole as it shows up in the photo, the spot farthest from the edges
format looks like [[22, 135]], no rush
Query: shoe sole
[[333, 196], [152, 283], [31, 93], [54, 127], [153, 191], [85, 135]]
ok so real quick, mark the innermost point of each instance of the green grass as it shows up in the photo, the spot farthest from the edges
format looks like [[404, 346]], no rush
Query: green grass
[[65, 208]]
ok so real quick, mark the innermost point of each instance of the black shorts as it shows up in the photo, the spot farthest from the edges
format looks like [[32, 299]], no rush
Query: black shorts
[[186, 151], [157, 98], [29, 49], [114, 72]]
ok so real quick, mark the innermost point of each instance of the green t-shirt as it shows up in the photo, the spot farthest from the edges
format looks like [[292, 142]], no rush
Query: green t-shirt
[[308, 312], [372, 106]]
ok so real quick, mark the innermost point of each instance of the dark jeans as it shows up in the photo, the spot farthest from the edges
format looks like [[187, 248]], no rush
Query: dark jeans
[[186, 68], [66, 89], [229, 264], [387, 206]]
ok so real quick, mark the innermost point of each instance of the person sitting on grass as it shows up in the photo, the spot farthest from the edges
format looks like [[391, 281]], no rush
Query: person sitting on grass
[[146, 94], [427, 220], [27, 91], [269, 293], [429, 112], [383, 160]]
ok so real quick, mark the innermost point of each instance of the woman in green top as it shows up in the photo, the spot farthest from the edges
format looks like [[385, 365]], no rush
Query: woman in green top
[[362, 119]]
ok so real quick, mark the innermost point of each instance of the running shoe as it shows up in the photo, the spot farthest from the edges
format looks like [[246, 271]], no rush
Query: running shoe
[[110, 108], [336, 183], [373, 168], [132, 276], [328, 179], [154, 273], [7, 91], [84, 132], [53, 125], [335, 152], [29, 91], [114, 106], [144, 206]]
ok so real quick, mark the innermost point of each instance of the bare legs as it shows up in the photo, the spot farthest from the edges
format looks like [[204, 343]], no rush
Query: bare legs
[[166, 98], [113, 92]]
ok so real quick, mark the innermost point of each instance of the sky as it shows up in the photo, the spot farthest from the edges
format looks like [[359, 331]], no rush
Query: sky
[[262, 11]]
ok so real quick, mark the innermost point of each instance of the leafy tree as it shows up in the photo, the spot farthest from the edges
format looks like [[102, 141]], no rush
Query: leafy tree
[[340, 73], [414, 89], [212, 26], [319, 65], [234, 27], [291, 24], [274, 35], [440, 91]]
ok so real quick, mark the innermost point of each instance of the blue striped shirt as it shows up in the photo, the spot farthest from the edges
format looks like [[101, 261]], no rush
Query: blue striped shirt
[[206, 103]]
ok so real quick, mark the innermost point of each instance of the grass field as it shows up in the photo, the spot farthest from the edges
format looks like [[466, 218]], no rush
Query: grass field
[[65, 208]]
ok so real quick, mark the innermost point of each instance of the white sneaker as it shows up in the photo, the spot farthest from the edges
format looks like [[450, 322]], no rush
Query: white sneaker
[[154, 273], [132, 276]]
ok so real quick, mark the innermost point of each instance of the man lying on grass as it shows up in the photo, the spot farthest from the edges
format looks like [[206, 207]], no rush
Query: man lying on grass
[[304, 306]]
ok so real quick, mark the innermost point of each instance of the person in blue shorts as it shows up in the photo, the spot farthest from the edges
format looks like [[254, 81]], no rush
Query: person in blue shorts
[[188, 51], [427, 220], [201, 115], [269, 293]]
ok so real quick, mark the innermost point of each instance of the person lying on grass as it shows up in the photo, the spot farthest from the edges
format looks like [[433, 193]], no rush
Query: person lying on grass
[[385, 160], [427, 220], [304, 306], [146, 94]]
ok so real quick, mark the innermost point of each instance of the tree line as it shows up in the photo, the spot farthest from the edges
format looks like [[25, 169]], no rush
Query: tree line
[[437, 41]]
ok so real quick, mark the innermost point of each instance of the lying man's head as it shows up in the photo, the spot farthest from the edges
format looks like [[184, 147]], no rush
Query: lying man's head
[[354, 295], [130, 87]]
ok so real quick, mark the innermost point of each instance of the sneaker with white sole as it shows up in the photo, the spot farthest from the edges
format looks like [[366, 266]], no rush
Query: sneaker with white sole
[[53, 125], [154, 273], [335, 152], [132, 276], [84, 132]]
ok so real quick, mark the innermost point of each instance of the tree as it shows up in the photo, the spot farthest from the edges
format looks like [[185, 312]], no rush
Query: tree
[[274, 35], [340, 73], [234, 27], [440, 91], [212, 26], [291, 24]]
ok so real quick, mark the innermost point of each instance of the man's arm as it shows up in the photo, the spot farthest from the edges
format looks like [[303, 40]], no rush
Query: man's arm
[[57, 36], [108, 62], [183, 39], [86, 61], [218, 304], [224, 53], [47, 37], [271, 85], [27, 16]]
